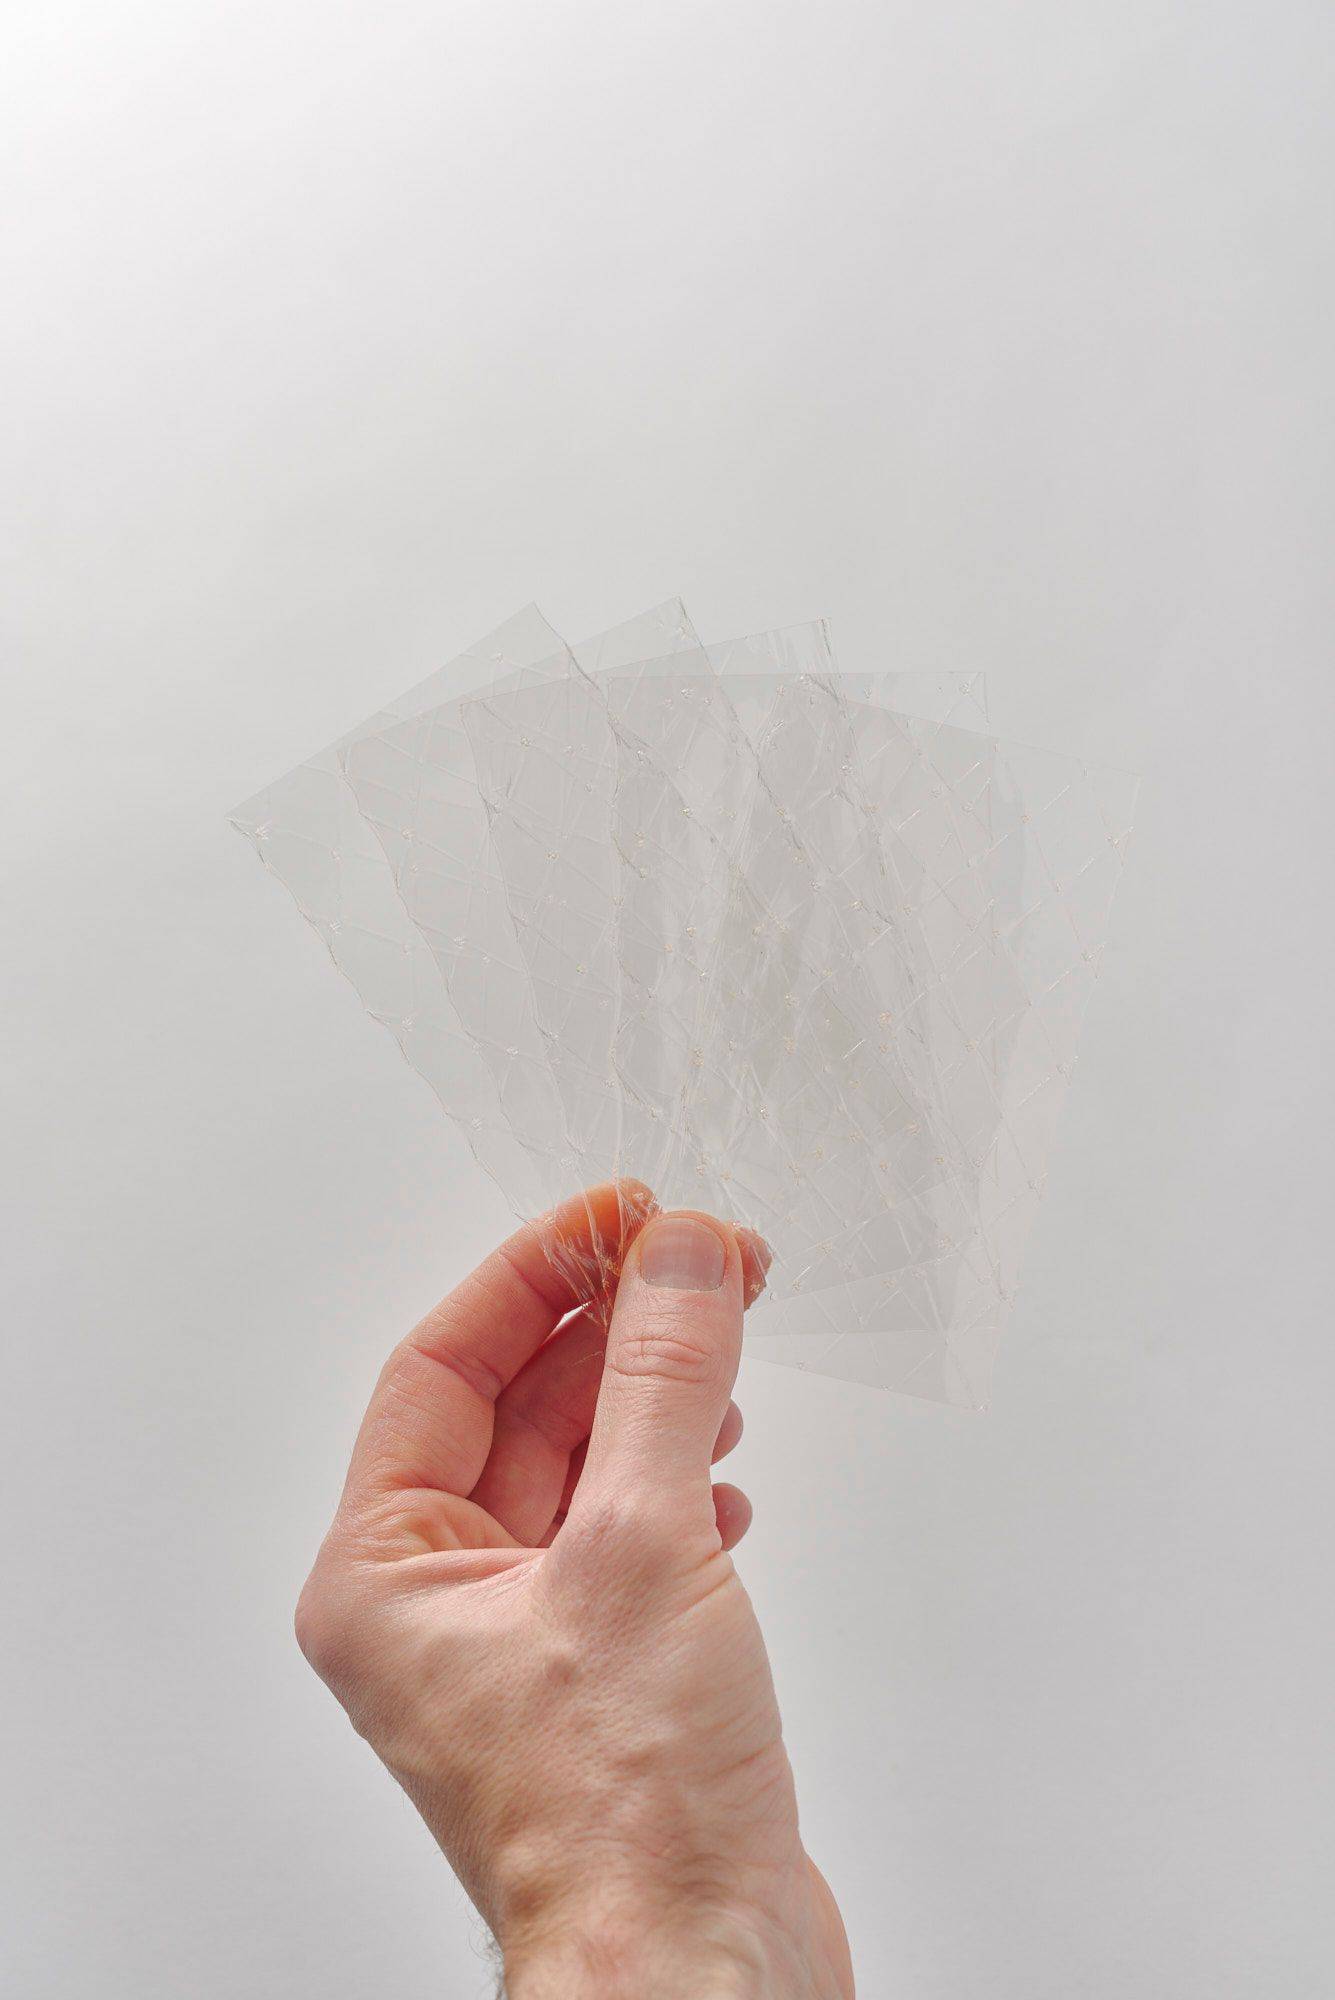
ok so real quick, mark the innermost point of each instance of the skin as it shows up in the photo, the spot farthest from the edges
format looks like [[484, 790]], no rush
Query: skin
[[528, 1606]]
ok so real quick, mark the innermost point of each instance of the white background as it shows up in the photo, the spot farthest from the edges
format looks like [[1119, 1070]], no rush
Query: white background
[[335, 332]]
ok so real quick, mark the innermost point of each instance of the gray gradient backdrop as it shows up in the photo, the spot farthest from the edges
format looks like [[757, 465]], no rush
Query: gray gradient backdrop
[[332, 334]]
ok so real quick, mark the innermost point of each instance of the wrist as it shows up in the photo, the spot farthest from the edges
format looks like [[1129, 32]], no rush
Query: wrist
[[615, 1957], [693, 1952], [596, 1964]]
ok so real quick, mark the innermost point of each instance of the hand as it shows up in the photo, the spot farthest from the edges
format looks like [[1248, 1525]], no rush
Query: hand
[[527, 1606]]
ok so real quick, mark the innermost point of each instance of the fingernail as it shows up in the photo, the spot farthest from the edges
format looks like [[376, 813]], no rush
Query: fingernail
[[680, 1254]]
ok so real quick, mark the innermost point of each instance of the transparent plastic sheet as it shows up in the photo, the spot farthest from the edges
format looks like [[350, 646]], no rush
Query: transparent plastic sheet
[[997, 870], [1017, 922], [581, 780], [552, 768], [823, 1090], [548, 754], [950, 820], [550, 763], [344, 875], [737, 1007], [465, 1022], [860, 1051]]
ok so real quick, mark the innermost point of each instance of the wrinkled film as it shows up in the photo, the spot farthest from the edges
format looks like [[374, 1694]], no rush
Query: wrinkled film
[[809, 948]]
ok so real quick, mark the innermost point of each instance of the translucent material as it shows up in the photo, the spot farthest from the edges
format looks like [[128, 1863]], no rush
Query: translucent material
[[311, 833], [783, 942]]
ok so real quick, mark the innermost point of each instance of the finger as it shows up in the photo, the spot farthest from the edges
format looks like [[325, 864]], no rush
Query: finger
[[729, 1435], [541, 1419], [732, 1514], [756, 1260], [541, 1429], [730, 1432], [430, 1419], [672, 1353], [574, 1473]]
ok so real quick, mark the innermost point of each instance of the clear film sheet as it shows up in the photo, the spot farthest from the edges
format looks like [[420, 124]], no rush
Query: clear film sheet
[[804, 947]]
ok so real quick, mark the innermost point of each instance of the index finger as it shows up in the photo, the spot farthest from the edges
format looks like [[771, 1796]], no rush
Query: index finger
[[430, 1419]]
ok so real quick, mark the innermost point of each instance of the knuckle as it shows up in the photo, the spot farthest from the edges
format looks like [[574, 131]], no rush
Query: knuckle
[[629, 1531], [669, 1351], [306, 1625], [324, 1629]]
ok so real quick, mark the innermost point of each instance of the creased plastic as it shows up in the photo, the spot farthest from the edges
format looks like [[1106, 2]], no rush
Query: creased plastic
[[804, 947]]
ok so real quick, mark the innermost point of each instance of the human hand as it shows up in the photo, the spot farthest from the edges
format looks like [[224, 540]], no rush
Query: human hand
[[527, 1606]]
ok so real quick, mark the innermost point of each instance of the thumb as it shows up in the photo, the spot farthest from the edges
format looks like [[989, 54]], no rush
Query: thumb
[[672, 1352]]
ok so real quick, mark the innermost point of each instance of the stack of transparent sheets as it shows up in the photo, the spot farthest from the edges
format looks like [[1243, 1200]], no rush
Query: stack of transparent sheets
[[806, 948]]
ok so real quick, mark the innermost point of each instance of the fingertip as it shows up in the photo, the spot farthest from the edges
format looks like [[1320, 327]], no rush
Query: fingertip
[[732, 1514], [756, 1258], [672, 1353], [586, 1240], [638, 1196], [730, 1433], [683, 1251]]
